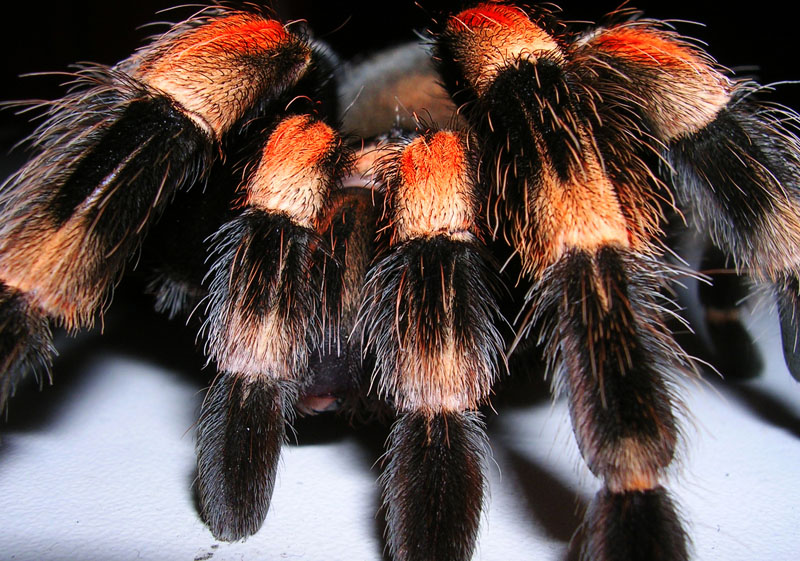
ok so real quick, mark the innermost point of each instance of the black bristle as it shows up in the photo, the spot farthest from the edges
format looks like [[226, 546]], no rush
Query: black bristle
[[712, 160], [276, 252], [423, 295], [110, 157], [741, 177], [146, 146], [268, 245], [545, 86]]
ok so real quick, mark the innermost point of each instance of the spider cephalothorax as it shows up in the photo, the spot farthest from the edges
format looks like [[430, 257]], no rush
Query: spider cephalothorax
[[336, 254]]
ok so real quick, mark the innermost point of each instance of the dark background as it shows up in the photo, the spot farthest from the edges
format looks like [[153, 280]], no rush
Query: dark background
[[43, 36]]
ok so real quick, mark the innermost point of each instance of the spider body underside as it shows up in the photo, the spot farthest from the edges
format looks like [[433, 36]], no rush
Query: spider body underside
[[335, 248]]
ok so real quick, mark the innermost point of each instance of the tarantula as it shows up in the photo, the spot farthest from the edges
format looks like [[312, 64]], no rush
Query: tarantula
[[334, 248]]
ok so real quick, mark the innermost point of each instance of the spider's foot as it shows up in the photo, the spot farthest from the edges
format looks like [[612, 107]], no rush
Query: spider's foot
[[242, 428], [26, 342], [634, 526], [733, 352], [788, 296], [433, 486]]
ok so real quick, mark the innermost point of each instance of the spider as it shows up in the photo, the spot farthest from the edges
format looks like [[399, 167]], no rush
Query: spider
[[405, 259]]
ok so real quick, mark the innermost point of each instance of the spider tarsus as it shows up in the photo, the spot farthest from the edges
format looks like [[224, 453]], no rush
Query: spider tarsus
[[26, 342], [733, 352], [433, 486], [788, 299], [242, 428], [634, 526]]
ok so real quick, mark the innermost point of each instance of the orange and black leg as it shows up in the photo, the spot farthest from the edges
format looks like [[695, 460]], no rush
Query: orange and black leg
[[112, 153], [574, 198], [430, 319], [263, 321]]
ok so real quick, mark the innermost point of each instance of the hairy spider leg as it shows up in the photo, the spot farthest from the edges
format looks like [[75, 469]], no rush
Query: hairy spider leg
[[263, 321], [734, 162], [111, 154], [574, 198], [430, 317], [339, 367]]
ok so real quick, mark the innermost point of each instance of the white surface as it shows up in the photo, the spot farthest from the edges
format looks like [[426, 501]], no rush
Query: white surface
[[105, 473]]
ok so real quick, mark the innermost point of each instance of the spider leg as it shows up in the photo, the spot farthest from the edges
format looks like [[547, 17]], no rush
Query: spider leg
[[26, 341], [338, 366], [787, 291], [573, 196], [429, 317], [734, 352], [262, 321], [111, 154], [601, 314], [746, 190], [735, 162]]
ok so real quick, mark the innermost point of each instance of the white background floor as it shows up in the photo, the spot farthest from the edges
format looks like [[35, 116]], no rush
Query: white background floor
[[100, 467]]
